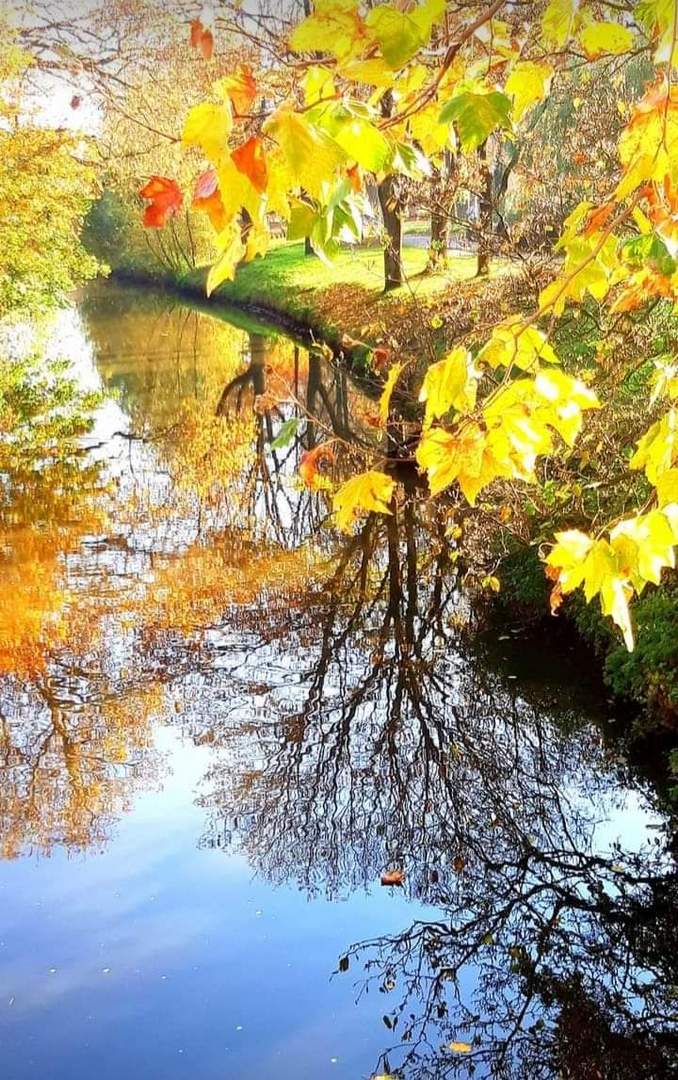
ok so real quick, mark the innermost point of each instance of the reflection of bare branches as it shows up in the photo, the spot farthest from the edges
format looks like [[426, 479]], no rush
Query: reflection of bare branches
[[392, 747], [551, 964]]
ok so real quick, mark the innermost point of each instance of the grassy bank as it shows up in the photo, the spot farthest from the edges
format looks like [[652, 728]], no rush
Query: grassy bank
[[345, 303]]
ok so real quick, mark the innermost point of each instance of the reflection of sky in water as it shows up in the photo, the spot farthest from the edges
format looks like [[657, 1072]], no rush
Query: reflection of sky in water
[[197, 948], [173, 953]]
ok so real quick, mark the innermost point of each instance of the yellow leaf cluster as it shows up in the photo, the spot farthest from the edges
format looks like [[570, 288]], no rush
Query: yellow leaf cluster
[[636, 553], [452, 383], [514, 342], [368, 493], [658, 449], [517, 427]]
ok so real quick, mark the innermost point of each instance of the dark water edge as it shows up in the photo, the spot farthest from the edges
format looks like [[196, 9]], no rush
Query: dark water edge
[[246, 720]]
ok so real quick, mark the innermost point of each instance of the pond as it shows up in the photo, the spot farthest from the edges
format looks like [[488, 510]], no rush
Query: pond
[[222, 723]]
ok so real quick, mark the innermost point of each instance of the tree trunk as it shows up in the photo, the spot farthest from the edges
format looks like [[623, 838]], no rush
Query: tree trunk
[[391, 208], [308, 249], [440, 215], [437, 252], [486, 215], [393, 227]]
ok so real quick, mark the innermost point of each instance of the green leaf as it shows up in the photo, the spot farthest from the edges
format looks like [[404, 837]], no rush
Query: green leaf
[[558, 21], [650, 249], [410, 161], [477, 116], [286, 434], [302, 220], [401, 35], [361, 140]]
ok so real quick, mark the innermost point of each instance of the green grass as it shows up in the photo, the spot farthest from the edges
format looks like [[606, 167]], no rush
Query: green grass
[[289, 280]]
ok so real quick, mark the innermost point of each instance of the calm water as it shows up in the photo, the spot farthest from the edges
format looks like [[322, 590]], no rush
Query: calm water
[[220, 723]]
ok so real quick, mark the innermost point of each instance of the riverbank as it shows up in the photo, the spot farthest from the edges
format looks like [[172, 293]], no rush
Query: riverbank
[[344, 307]]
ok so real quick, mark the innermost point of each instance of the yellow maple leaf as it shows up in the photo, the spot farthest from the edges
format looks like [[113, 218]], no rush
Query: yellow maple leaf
[[208, 127], [232, 250], [370, 492], [385, 400], [311, 155], [451, 383], [527, 84]]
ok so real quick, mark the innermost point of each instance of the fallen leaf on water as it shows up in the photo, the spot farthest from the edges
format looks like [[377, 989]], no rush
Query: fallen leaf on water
[[459, 864], [393, 877], [461, 1047]]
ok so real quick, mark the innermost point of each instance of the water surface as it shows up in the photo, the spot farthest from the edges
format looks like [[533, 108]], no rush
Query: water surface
[[221, 723]]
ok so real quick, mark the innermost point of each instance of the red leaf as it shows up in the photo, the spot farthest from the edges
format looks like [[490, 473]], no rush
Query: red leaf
[[207, 44], [76, 101], [393, 877], [250, 160], [165, 200], [196, 33], [381, 358]]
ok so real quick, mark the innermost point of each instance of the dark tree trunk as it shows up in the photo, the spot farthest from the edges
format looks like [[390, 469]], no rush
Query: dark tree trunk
[[308, 247], [486, 215], [391, 210], [393, 227]]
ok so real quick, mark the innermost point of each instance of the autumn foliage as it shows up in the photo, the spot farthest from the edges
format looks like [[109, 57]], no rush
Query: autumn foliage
[[387, 91]]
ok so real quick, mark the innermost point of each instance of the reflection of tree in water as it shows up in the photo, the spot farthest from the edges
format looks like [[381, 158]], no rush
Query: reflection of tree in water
[[284, 383], [353, 730], [70, 763], [393, 746], [555, 962], [74, 737]]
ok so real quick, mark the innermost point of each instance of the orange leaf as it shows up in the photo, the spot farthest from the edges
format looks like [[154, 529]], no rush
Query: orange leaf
[[207, 44], [207, 197], [250, 160], [196, 33], [354, 178], [598, 218], [165, 200], [393, 877], [242, 90], [556, 598], [202, 39], [311, 460]]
